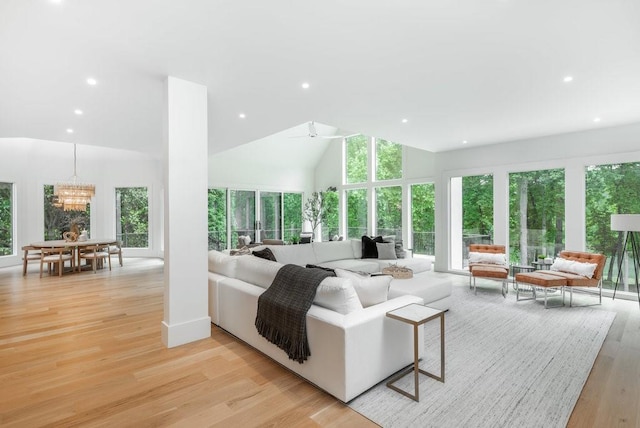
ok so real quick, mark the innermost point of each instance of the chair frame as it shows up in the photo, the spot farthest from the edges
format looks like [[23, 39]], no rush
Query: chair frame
[[93, 253], [119, 252], [488, 248], [34, 256], [63, 257]]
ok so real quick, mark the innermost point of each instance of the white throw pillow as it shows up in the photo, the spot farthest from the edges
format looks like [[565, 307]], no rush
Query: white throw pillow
[[491, 258], [338, 295], [572, 266], [371, 290], [222, 263], [386, 251]]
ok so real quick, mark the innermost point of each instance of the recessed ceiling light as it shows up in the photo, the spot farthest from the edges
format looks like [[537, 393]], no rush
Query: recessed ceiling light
[[405, 120], [568, 79], [55, 1], [596, 119], [91, 81], [465, 142], [69, 131], [305, 85], [242, 115], [78, 112]]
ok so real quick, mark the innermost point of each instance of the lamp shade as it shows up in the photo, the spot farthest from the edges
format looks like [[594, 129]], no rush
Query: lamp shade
[[625, 222]]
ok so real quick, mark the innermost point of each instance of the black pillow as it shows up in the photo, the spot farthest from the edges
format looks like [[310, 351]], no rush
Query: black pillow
[[310, 266], [265, 254], [369, 249]]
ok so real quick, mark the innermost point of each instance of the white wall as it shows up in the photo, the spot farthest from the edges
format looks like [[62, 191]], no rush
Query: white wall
[[31, 164]]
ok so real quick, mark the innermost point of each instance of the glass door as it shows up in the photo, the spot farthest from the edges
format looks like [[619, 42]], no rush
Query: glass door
[[243, 215], [270, 225]]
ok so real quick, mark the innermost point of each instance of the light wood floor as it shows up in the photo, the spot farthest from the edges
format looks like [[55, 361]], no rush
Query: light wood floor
[[85, 350]]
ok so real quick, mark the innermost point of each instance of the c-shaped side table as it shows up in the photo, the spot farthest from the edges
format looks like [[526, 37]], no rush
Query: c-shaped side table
[[416, 315]]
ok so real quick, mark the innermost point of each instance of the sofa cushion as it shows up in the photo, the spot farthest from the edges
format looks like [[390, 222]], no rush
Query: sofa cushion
[[222, 264], [299, 255], [371, 290], [369, 249], [356, 247], [358, 265], [386, 250], [337, 294], [332, 250], [255, 270]]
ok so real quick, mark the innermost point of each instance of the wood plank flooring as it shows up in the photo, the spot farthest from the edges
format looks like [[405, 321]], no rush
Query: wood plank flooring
[[85, 350]]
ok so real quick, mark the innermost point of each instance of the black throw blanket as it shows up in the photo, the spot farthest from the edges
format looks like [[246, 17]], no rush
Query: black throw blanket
[[282, 309]]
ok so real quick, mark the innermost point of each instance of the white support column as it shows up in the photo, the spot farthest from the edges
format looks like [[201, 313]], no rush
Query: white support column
[[186, 316]]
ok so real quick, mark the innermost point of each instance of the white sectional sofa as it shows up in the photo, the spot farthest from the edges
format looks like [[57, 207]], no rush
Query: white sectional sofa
[[352, 347]]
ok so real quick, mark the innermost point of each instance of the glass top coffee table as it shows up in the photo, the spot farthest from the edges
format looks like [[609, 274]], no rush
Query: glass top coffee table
[[417, 315]]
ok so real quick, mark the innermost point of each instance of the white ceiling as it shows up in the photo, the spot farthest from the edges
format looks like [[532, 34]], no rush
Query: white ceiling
[[485, 71]]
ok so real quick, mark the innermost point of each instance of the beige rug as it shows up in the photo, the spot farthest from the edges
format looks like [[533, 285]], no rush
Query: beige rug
[[508, 364]]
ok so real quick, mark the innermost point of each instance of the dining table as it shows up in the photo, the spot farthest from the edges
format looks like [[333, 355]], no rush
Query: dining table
[[74, 246]]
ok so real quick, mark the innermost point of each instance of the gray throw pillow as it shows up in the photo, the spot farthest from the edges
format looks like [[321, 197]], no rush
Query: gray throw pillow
[[386, 250]]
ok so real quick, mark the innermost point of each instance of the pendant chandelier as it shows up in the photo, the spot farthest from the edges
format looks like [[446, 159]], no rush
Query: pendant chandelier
[[73, 196]]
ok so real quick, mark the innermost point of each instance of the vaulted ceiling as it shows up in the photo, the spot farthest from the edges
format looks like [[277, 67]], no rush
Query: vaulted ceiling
[[480, 71]]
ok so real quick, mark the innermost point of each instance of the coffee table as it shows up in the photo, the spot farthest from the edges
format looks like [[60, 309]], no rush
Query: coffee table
[[417, 315]]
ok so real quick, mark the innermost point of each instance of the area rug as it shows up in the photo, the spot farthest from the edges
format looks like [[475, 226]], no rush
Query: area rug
[[508, 364]]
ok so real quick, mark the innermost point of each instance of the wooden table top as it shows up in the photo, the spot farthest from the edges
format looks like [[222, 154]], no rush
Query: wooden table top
[[62, 243]]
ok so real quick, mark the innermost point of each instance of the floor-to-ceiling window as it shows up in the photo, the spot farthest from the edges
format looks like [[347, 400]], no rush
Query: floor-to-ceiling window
[[357, 216], [388, 160], [423, 203], [291, 216], [389, 211], [6, 219], [536, 214], [331, 219], [57, 221], [611, 189], [132, 216], [356, 155], [357, 172], [471, 215], [217, 219], [270, 226], [243, 214]]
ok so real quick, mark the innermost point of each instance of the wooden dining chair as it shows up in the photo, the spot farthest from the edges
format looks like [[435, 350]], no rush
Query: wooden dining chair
[[31, 254], [116, 249], [95, 253], [53, 256]]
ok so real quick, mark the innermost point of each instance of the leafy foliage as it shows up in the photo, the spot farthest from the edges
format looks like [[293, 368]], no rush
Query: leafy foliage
[[292, 216], [423, 205], [331, 219], [315, 208], [6, 219], [132, 216], [356, 158], [536, 214], [356, 213], [610, 189], [217, 219], [389, 210], [388, 160]]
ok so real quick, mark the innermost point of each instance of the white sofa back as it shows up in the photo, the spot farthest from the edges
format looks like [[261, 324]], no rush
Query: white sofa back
[[332, 250]]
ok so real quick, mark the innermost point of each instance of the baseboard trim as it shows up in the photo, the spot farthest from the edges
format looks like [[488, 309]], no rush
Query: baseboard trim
[[190, 331]]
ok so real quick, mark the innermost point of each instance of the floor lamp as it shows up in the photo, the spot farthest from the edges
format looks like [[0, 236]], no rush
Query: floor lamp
[[630, 225]]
